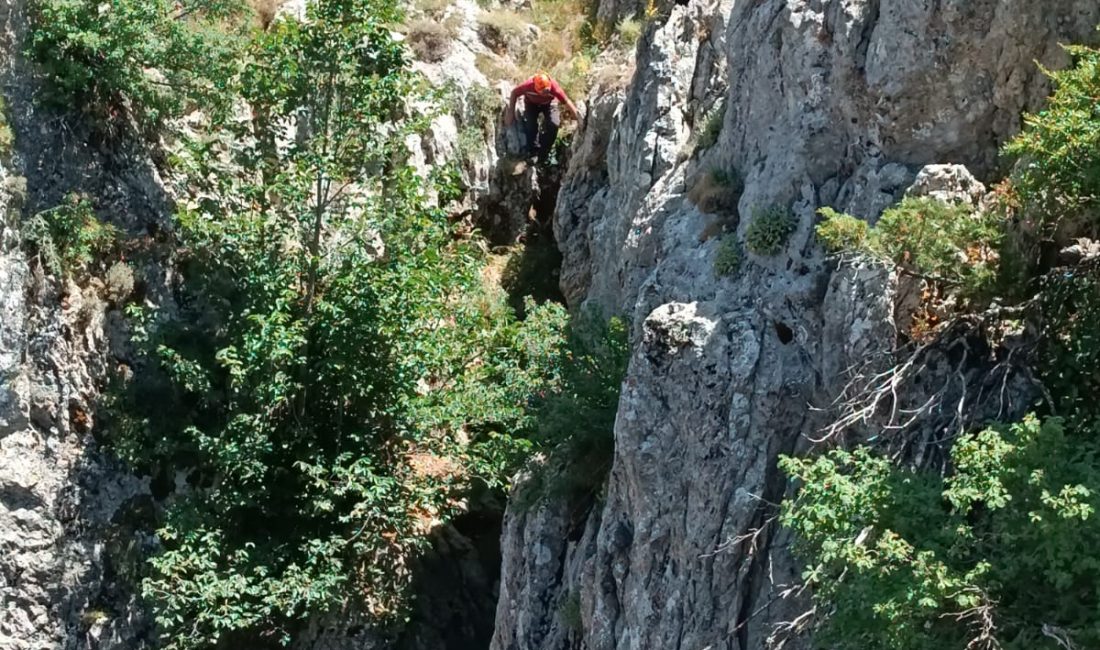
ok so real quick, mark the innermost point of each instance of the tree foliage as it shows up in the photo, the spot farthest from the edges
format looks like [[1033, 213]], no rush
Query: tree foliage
[[339, 376], [990, 554], [1059, 148], [149, 59]]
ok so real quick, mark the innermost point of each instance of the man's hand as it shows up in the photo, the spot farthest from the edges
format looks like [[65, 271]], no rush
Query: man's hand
[[577, 114]]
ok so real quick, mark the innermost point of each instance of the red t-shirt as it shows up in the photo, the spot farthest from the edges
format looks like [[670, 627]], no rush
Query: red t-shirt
[[532, 96]]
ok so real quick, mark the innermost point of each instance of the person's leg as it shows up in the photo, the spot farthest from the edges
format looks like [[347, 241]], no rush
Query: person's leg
[[550, 123], [530, 127]]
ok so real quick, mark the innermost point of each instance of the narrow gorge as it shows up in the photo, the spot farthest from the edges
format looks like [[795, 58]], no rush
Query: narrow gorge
[[686, 201]]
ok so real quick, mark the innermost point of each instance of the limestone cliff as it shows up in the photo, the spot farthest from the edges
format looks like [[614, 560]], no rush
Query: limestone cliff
[[815, 102], [826, 103]]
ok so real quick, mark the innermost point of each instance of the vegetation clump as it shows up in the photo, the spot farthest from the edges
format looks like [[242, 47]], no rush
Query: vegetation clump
[[1058, 175], [337, 378], [717, 191], [769, 230], [7, 138], [728, 260], [712, 127], [430, 39], [68, 238], [628, 31], [949, 244]]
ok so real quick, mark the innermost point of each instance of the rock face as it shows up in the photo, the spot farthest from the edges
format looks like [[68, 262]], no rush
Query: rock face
[[62, 524], [826, 102]]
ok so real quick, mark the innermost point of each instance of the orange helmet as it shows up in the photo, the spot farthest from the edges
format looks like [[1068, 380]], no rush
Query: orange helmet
[[542, 82]]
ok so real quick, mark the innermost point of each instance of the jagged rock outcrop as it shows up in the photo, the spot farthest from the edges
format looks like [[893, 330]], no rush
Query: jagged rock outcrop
[[827, 102], [63, 507]]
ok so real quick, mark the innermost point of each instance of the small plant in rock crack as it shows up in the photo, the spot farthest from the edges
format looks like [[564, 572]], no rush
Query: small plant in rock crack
[[7, 139], [712, 126], [769, 230], [728, 259], [69, 237], [571, 612], [717, 191], [628, 31]]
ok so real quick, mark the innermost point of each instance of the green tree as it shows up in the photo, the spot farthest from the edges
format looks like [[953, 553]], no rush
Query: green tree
[[340, 376], [993, 554]]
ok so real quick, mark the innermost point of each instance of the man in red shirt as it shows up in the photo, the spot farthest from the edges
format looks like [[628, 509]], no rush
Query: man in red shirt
[[539, 93]]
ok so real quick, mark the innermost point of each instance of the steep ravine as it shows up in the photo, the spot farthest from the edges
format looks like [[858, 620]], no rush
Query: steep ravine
[[827, 102], [836, 103]]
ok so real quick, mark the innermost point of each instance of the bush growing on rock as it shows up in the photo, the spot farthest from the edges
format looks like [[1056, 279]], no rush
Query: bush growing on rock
[[628, 31], [948, 244], [430, 39], [711, 127], [994, 555], [728, 259], [7, 138], [1059, 149], [70, 237], [717, 191], [769, 230]]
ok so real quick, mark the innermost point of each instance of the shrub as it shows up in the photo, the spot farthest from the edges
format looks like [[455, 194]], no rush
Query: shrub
[[149, 59], [717, 191], [120, 282], [728, 259], [1059, 148], [7, 139], [948, 244], [628, 32], [430, 39], [842, 232], [575, 419], [571, 612], [69, 237], [995, 552], [769, 230], [712, 126]]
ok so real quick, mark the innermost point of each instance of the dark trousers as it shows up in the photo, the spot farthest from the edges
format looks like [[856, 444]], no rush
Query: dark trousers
[[541, 140]]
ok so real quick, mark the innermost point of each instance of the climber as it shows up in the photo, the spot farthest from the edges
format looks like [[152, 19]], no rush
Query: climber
[[539, 93]]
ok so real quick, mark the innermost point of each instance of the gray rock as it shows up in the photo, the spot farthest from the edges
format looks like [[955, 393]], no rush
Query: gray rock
[[834, 102], [948, 183]]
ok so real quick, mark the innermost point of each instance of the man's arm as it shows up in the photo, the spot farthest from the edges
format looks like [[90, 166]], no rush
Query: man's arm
[[510, 112], [559, 94]]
